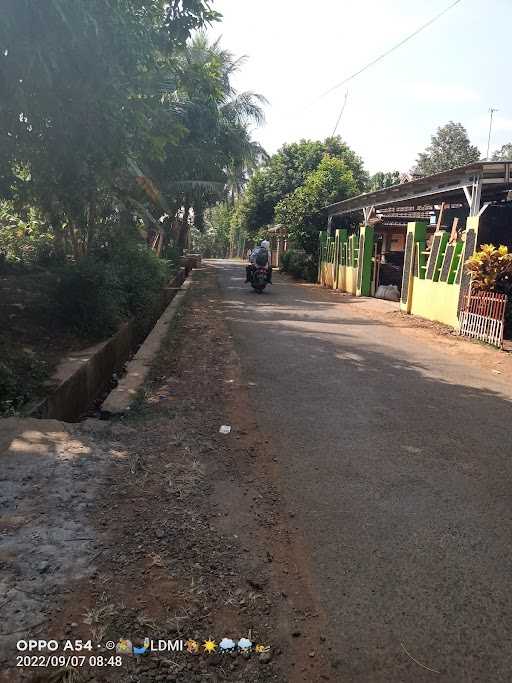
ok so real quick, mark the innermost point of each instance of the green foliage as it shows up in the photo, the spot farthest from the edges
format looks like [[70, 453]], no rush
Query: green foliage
[[24, 238], [286, 171], [450, 147], [182, 18], [215, 153], [382, 179], [302, 210], [489, 265], [300, 265], [504, 153], [99, 97], [20, 374], [95, 295], [214, 241]]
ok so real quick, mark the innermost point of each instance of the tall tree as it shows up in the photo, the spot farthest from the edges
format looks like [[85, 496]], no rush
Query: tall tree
[[214, 240], [450, 147], [504, 153], [302, 210], [215, 144], [79, 93], [383, 179], [286, 171]]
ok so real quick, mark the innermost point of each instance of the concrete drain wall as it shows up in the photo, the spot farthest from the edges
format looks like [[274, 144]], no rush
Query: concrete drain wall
[[84, 376]]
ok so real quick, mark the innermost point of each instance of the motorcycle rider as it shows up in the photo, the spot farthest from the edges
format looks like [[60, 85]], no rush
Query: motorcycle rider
[[264, 246]]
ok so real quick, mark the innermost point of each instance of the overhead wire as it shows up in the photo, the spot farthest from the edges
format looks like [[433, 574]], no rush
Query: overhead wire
[[383, 55], [392, 49]]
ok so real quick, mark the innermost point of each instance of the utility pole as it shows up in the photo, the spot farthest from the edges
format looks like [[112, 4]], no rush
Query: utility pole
[[340, 115], [491, 110]]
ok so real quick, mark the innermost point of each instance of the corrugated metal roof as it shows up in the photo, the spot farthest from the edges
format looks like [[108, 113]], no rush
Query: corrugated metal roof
[[496, 180]]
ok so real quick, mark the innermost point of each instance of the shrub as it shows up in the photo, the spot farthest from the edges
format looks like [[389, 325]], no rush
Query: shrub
[[491, 270], [109, 285], [300, 265], [24, 239], [89, 298], [20, 375], [488, 266], [142, 276]]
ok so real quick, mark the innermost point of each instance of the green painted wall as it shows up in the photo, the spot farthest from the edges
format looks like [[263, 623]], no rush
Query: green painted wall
[[364, 264]]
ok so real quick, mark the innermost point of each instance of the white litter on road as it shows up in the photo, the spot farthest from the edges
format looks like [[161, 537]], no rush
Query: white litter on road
[[225, 429]]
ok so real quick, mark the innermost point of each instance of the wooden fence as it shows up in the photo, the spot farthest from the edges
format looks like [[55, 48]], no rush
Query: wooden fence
[[483, 316]]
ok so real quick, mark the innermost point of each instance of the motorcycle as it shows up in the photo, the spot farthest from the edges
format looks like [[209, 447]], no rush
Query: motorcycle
[[259, 278]]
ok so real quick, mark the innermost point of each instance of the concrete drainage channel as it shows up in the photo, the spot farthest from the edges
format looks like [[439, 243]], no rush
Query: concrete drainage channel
[[85, 376], [118, 401]]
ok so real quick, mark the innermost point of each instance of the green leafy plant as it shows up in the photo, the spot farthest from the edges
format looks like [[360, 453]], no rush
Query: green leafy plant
[[488, 266], [299, 264], [95, 295], [24, 238], [20, 375]]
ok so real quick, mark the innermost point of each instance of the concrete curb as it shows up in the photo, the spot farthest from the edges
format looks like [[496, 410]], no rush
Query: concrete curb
[[82, 376], [137, 370]]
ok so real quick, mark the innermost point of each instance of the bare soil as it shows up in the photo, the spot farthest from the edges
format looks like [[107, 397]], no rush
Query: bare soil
[[159, 526]]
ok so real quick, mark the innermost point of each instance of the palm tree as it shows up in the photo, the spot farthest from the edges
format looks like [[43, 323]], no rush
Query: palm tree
[[216, 154]]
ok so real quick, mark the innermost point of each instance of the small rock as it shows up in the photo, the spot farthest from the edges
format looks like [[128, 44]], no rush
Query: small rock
[[312, 653]]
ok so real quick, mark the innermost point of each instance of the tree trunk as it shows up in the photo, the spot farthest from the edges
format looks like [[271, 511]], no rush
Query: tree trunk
[[74, 242], [60, 243], [184, 228], [91, 227]]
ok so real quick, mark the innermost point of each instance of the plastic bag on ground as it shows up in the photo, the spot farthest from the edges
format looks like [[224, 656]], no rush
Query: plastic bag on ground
[[388, 292]]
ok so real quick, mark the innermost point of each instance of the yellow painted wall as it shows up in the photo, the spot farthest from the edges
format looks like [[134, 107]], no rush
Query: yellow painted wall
[[342, 278], [347, 279], [435, 301], [351, 280], [327, 274]]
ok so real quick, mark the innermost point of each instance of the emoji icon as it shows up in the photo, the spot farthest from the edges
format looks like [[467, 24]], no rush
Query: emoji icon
[[262, 648], [209, 646], [244, 644], [227, 645], [124, 647], [192, 646], [140, 650]]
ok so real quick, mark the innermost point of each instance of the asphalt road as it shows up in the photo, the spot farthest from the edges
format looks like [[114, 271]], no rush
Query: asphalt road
[[396, 459]]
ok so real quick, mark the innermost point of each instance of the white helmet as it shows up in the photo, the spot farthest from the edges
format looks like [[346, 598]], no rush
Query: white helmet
[[265, 244]]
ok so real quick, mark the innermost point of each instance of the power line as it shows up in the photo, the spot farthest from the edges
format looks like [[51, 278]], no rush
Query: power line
[[392, 49]]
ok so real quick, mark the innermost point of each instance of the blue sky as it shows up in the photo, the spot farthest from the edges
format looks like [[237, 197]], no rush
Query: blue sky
[[455, 70]]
